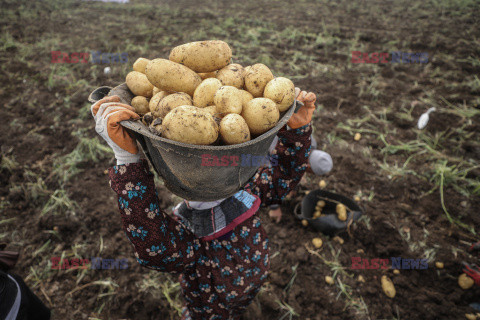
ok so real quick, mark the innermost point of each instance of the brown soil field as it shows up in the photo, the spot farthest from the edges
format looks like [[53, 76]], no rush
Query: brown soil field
[[420, 188]]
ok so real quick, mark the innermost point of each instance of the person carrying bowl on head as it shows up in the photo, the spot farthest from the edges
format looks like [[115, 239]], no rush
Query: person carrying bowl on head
[[218, 248]]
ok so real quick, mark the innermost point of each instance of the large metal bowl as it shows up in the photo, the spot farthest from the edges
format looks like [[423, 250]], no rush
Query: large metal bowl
[[180, 164]]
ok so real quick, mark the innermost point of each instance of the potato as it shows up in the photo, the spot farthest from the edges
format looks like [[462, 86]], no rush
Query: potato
[[396, 271], [206, 75], [202, 56], [140, 104], [361, 279], [465, 282], [304, 223], [341, 212], [246, 96], [261, 114], [203, 95], [338, 239], [228, 99], [138, 83], [170, 76], [388, 287], [234, 129], [329, 280], [190, 124], [282, 91], [155, 100], [155, 91], [317, 242], [470, 316], [322, 184], [232, 75], [321, 203], [357, 136], [211, 109], [140, 65], [257, 78], [170, 102], [439, 265]]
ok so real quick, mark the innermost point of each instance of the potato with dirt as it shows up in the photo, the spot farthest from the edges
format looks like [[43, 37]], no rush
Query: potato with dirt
[[155, 100], [228, 99], [170, 102], [170, 76], [281, 91], [203, 95], [140, 104], [140, 64], [256, 78], [246, 96], [189, 124], [232, 75], [234, 129], [206, 75], [139, 84], [202, 56], [261, 114]]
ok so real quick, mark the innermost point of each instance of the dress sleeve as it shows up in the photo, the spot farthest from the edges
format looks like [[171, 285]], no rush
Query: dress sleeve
[[159, 241], [288, 164]]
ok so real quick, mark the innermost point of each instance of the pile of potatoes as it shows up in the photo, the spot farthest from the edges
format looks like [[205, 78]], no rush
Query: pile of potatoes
[[198, 96]]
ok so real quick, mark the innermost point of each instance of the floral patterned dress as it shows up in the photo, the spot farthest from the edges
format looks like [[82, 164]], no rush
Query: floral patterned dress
[[219, 277]]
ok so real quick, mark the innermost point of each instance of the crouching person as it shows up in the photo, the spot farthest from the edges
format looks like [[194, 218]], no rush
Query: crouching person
[[218, 248]]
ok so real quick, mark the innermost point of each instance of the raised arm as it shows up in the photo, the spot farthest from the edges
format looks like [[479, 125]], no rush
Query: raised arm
[[274, 182], [158, 240]]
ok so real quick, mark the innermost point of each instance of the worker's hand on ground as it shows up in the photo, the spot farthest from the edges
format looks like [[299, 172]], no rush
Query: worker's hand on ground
[[107, 113], [275, 214], [304, 115]]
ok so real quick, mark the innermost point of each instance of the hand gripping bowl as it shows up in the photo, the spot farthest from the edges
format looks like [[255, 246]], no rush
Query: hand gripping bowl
[[180, 164]]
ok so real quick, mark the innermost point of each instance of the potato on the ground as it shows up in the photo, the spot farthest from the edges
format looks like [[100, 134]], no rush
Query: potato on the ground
[[341, 212], [138, 83], [206, 75], [140, 104], [317, 242], [228, 99], [190, 124], [329, 280], [155, 100], [282, 91], [388, 287], [140, 64], [246, 96], [322, 184], [202, 56], [203, 95], [257, 78], [232, 75], [261, 114], [234, 129], [170, 102], [170, 76], [465, 282]]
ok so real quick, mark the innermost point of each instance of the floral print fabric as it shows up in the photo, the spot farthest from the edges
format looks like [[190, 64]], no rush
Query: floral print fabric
[[219, 277]]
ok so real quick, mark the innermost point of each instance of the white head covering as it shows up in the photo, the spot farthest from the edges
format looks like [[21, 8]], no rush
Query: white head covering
[[320, 162]]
